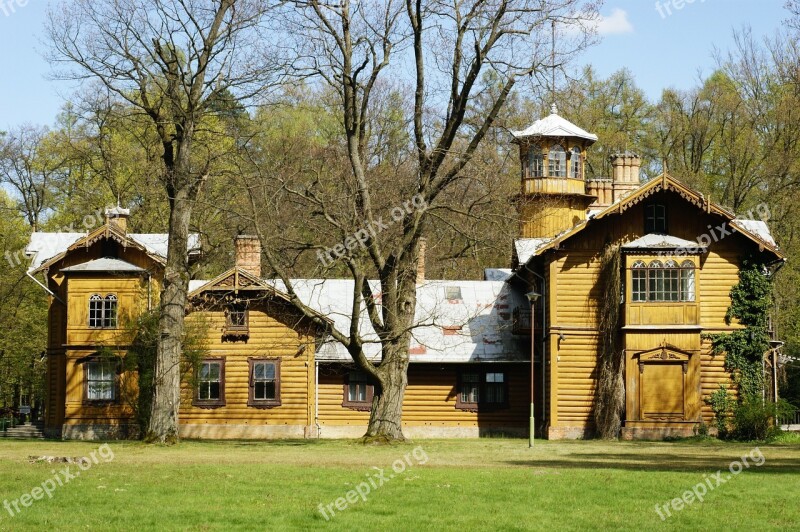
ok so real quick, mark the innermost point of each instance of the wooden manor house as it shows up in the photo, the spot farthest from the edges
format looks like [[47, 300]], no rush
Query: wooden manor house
[[484, 350]]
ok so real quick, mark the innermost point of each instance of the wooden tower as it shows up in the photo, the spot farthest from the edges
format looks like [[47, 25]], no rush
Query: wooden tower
[[553, 194]]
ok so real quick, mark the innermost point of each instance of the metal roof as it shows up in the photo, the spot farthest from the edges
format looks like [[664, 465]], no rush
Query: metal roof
[[475, 328], [106, 264], [44, 246], [659, 241], [554, 125]]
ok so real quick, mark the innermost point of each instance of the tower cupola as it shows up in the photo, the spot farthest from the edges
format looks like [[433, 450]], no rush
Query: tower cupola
[[553, 189]]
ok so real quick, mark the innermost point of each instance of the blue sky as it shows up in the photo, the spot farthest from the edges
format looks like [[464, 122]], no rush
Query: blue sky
[[666, 48]]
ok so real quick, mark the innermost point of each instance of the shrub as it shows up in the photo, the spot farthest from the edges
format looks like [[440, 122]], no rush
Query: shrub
[[754, 418]]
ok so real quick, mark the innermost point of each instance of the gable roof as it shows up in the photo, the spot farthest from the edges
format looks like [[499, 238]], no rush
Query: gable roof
[[755, 231], [47, 248], [239, 280]]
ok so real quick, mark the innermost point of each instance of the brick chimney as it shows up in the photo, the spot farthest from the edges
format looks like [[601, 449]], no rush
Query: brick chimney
[[602, 189], [423, 245], [248, 254], [118, 217], [625, 173]]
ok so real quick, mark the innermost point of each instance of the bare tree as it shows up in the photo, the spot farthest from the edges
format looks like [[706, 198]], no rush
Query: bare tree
[[440, 57], [170, 59]]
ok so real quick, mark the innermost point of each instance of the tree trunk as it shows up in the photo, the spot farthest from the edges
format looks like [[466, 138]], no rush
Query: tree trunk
[[163, 424], [385, 420]]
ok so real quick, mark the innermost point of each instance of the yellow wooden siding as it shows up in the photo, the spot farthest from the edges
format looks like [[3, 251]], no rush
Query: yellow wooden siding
[[269, 338], [430, 399]]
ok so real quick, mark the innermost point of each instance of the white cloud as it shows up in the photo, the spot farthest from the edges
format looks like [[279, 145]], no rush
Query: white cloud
[[616, 22]]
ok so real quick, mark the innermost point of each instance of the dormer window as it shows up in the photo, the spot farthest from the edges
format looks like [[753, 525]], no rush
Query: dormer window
[[103, 311], [557, 162], [575, 163], [655, 219], [535, 161]]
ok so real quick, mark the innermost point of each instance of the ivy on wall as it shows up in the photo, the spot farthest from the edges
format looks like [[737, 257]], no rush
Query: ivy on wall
[[751, 300]]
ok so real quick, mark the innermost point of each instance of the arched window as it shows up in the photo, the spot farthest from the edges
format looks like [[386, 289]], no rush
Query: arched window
[[103, 312], [687, 281], [639, 281], [535, 161], [663, 281], [557, 162], [575, 163]]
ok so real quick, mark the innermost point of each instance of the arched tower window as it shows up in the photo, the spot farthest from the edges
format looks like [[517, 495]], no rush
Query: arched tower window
[[557, 162], [535, 161], [575, 163]]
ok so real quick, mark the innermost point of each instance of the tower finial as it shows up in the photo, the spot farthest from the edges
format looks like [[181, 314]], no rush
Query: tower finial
[[554, 108]]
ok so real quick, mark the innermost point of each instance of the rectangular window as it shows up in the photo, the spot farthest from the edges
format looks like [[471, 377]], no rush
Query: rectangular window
[[211, 383], [495, 388], [655, 219], [101, 380], [358, 392], [470, 388], [639, 284], [265, 382], [481, 388]]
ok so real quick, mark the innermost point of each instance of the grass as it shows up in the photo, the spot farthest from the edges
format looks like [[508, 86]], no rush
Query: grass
[[463, 484]]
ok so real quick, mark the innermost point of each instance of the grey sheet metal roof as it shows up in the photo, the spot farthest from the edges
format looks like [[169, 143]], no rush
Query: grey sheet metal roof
[[475, 328], [106, 264], [554, 125], [44, 246], [657, 241]]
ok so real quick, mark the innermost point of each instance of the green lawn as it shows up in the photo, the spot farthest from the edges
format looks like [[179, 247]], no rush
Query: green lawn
[[462, 484]]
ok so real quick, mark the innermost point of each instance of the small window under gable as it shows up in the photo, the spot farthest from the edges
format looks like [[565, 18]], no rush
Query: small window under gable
[[655, 219]]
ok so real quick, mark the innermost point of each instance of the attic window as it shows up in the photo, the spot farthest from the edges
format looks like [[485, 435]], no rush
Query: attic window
[[655, 219], [236, 318], [452, 293]]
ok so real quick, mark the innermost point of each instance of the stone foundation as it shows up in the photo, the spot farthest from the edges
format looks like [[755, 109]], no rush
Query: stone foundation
[[97, 431]]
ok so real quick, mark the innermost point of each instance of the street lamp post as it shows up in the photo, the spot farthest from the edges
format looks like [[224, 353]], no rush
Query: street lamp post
[[532, 296]]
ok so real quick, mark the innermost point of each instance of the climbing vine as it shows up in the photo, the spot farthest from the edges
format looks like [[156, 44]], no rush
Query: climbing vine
[[744, 349], [610, 395]]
